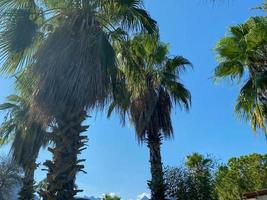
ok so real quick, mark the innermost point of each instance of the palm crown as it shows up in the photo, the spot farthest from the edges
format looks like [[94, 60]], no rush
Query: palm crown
[[152, 85], [27, 136], [242, 57]]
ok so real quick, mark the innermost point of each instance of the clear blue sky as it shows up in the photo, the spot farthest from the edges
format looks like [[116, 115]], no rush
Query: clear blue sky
[[115, 162]]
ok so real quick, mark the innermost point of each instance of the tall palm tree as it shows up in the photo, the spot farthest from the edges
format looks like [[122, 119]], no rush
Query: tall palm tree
[[26, 136], [243, 57], [150, 86], [10, 177], [74, 65]]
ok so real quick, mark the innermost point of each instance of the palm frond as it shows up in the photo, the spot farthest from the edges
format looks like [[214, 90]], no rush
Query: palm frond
[[177, 65], [6, 106], [249, 107], [120, 98], [18, 39], [74, 67], [6, 5], [232, 69], [26, 135], [244, 50], [130, 15], [229, 48], [179, 94]]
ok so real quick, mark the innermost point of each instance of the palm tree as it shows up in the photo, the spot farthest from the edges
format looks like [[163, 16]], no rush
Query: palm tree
[[74, 65], [243, 57], [10, 177], [152, 86], [26, 136]]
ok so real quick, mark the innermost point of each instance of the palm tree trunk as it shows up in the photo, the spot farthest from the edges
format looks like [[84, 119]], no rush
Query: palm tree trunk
[[27, 190], [156, 184], [65, 165]]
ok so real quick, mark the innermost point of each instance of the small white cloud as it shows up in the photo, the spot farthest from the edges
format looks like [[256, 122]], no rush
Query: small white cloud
[[143, 196], [112, 194]]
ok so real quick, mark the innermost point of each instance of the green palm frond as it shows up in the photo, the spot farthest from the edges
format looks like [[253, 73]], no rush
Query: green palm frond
[[177, 65], [26, 135], [250, 108], [6, 5], [129, 15], [18, 38], [179, 94], [59, 4], [247, 100], [232, 69], [242, 55], [6, 106], [229, 48], [74, 67]]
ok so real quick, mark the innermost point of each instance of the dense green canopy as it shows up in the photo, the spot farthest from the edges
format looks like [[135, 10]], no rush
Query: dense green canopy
[[242, 57]]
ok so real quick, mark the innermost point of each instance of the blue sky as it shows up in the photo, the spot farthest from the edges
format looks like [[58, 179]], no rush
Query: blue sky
[[115, 161]]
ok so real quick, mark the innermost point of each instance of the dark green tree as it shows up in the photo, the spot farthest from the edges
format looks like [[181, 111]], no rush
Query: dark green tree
[[26, 137], [152, 87], [193, 181], [10, 177], [109, 197], [241, 175], [201, 177]]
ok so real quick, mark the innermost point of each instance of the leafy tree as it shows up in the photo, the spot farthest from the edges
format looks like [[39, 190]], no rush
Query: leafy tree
[[26, 136], [241, 175], [201, 171], [109, 197], [152, 87], [194, 181], [10, 177], [242, 57], [176, 179], [74, 67]]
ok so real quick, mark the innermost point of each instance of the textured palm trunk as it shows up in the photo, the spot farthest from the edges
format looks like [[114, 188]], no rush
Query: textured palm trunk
[[156, 184], [65, 165], [27, 190]]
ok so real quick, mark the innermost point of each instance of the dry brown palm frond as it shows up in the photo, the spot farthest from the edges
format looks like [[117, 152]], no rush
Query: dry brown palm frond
[[152, 112], [74, 67]]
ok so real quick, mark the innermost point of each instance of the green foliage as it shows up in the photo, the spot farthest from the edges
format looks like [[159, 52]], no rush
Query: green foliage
[[151, 85], [10, 177], [20, 34], [242, 57], [129, 15], [67, 49], [194, 181], [241, 175], [27, 27], [26, 137], [109, 197]]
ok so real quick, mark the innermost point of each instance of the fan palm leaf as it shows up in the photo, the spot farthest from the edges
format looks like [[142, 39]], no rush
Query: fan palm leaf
[[20, 34], [242, 57]]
